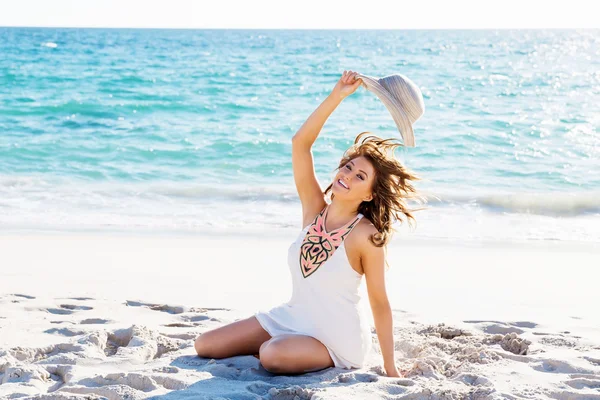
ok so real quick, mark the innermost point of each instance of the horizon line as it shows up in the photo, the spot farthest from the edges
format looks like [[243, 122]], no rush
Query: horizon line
[[298, 28]]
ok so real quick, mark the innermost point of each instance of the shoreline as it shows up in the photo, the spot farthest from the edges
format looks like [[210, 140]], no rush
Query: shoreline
[[507, 269], [398, 239]]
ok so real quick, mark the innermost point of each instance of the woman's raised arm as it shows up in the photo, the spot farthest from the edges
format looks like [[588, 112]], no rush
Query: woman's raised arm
[[309, 191]]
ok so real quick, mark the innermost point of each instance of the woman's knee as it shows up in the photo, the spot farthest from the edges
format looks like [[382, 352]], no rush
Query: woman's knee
[[272, 357], [205, 346], [201, 346]]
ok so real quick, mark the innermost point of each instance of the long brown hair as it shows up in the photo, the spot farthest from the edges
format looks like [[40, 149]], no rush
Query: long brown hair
[[391, 186]]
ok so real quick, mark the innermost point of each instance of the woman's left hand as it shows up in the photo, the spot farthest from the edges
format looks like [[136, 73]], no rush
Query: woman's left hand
[[347, 85]]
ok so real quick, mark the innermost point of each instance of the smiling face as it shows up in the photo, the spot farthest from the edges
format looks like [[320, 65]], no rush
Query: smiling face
[[354, 180]]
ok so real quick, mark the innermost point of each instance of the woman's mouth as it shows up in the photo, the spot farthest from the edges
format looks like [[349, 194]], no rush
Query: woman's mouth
[[342, 184]]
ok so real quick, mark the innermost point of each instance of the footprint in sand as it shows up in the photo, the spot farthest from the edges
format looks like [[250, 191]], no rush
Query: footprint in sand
[[24, 296], [182, 336], [157, 307], [189, 321], [179, 325], [219, 370], [61, 353], [561, 367], [64, 332], [562, 339], [67, 309], [197, 318], [132, 383], [19, 297], [205, 309], [524, 324], [403, 382], [444, 331], [89, 321], [167, 370], [355, 377], [473, 380], [594, 361], [259, 388], [59, 311], [499, 327], [139, 343], [74, 307], [518, 324], [584, 383], [294, 392], [104, 392], [563, 333], [191, 361], [572, 396], [558, 341]]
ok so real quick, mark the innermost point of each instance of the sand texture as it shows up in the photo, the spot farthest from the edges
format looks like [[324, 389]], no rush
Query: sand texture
[[95, 343]]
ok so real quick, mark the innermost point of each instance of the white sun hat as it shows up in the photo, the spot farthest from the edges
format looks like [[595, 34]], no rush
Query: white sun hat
[[401, 97]]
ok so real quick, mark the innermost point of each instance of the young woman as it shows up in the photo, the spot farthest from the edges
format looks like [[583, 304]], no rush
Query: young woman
[[323, 325]]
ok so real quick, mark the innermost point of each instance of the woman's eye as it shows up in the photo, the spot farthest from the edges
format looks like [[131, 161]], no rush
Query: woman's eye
[[348, 166], [361, 177]]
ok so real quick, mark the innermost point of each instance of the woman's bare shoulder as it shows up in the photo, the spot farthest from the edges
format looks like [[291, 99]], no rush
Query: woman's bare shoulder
[[362, 233]]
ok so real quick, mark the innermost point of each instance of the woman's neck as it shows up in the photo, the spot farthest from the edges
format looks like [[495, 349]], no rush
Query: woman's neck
[[340, 213]]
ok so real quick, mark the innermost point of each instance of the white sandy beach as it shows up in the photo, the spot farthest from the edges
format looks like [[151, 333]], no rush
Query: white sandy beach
[[88, 316]]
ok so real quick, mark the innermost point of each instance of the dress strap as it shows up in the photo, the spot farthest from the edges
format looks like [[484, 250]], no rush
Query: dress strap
[[355, 222], [346, 227]]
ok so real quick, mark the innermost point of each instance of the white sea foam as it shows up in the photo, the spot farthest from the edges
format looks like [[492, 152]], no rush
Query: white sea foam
[[60, 204], [550, 203]]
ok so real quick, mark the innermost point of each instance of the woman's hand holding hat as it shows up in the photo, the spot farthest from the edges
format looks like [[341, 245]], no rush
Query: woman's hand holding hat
[[347, 85]]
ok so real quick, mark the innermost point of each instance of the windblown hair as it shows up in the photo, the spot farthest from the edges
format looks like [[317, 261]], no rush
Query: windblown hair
[[391, 185]]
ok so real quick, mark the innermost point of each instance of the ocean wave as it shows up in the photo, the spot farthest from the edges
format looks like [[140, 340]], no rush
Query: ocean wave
[[66, 204], [15, 186], [551, 203]]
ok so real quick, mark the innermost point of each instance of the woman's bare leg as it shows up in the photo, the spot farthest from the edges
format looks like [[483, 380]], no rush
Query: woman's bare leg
[[294, 354], [242, 337]]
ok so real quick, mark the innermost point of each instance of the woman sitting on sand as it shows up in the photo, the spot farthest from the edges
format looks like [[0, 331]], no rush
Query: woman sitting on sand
[[322, 325]]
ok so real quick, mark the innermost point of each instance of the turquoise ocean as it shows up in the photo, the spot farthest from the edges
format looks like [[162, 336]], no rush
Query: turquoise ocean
[[189, 131]]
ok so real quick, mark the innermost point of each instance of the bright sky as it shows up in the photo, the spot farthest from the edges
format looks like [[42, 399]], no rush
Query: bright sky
[[300, 14]]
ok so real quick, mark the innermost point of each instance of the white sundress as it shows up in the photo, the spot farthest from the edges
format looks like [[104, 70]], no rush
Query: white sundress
[[325, 302]]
